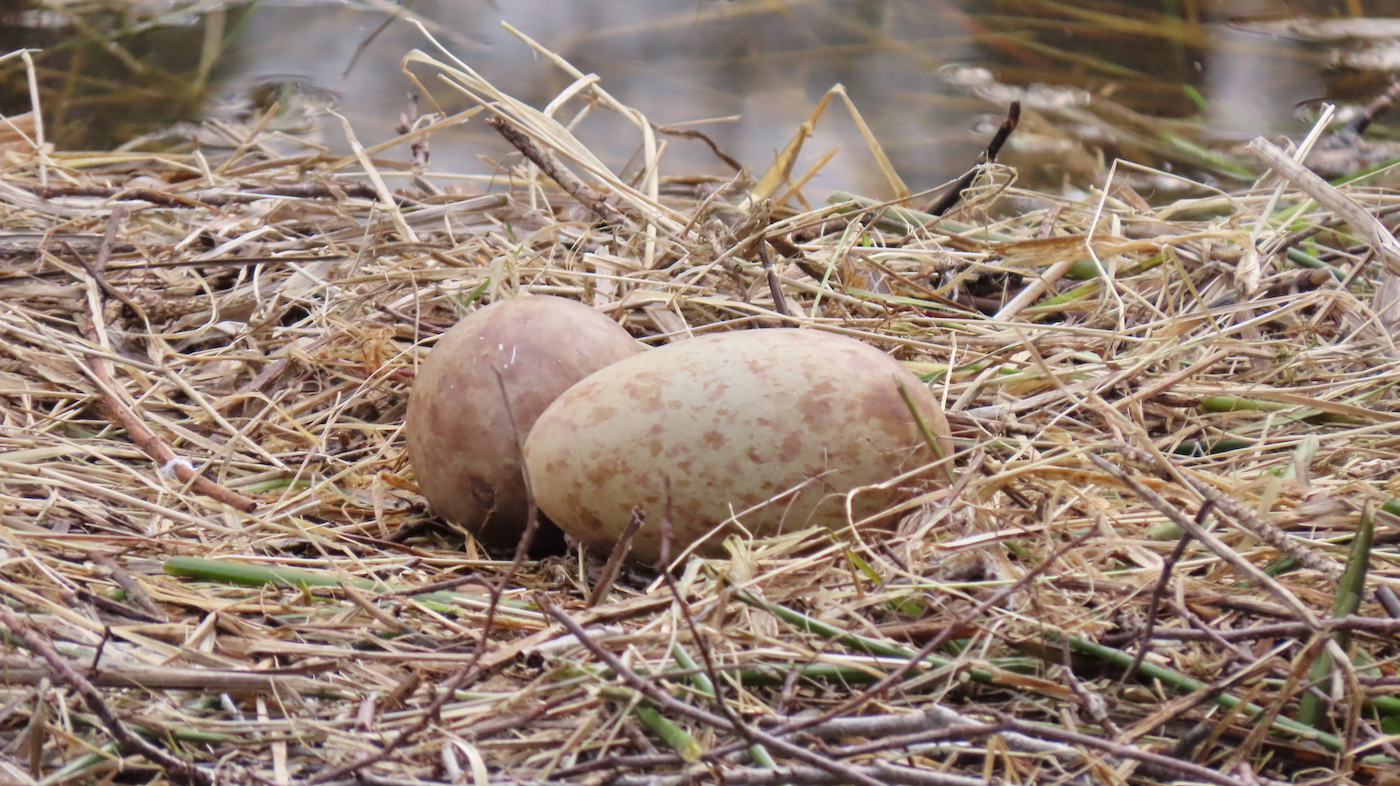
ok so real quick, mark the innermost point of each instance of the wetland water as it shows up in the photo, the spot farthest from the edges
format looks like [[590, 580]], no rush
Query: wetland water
[[932, 78]]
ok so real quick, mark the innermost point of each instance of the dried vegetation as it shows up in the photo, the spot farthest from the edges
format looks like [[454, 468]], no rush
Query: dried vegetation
[[1177, 431]]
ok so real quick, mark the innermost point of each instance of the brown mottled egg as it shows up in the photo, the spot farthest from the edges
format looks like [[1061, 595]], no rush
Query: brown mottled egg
[[463, 446], [766, 429]]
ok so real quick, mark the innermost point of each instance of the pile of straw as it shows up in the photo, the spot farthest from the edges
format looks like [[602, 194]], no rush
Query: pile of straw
[[1166, 555]]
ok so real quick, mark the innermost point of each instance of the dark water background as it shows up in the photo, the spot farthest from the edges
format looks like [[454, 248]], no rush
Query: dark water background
[[1233, 67]]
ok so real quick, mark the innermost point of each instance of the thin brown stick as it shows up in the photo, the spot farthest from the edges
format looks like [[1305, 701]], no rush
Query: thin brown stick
[[1266, 531], [889, 680], [615, 560], [556, 171], [1220, 549], [1162, 583], [896, 731], [25, 672], [156, 448], [1116, 749], [665, 700], [461, 677], [177, 769], [210, 197], [774, 287], [701, 641], [1376, 626], [954, 194], [807, 776], [99, 370], [469, 671]]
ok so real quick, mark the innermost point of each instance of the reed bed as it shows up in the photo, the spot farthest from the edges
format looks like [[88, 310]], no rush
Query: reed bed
[[1168, 554]]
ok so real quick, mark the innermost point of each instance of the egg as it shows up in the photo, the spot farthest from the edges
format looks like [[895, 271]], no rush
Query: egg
[[463, 440], [763, 431]]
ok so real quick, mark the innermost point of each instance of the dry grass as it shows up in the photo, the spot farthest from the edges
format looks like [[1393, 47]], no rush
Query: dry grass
[[253, 324]]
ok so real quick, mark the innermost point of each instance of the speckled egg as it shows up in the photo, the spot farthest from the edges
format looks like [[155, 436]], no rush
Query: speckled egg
[[763, 431], [463, 446]]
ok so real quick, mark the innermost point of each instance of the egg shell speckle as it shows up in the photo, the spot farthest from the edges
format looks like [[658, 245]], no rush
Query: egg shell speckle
[[464, 450], [728, 422]]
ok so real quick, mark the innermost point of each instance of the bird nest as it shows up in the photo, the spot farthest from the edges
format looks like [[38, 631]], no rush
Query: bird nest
[[1166, 553]]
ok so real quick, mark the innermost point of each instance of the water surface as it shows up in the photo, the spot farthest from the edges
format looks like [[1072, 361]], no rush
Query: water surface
[[931, 78]]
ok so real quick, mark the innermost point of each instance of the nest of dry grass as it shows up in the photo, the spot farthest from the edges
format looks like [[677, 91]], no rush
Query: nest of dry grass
[[1176, 429]]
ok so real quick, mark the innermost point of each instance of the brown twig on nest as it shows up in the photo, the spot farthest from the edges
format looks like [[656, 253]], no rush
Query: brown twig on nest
[[446, 691], [472, 669], [932, 646], [156, 448], [613, 566], [954, 194], [551, 166], [177, 769], [665, 700], [798, 775], [1376, 626], [407, 122], [1267, 531], [1115, 749], [775, 288], [99, 370], [1163, 581], [1223, 551]]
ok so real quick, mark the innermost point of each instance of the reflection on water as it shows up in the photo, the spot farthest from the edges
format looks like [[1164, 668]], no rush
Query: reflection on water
[[1233, 65]]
